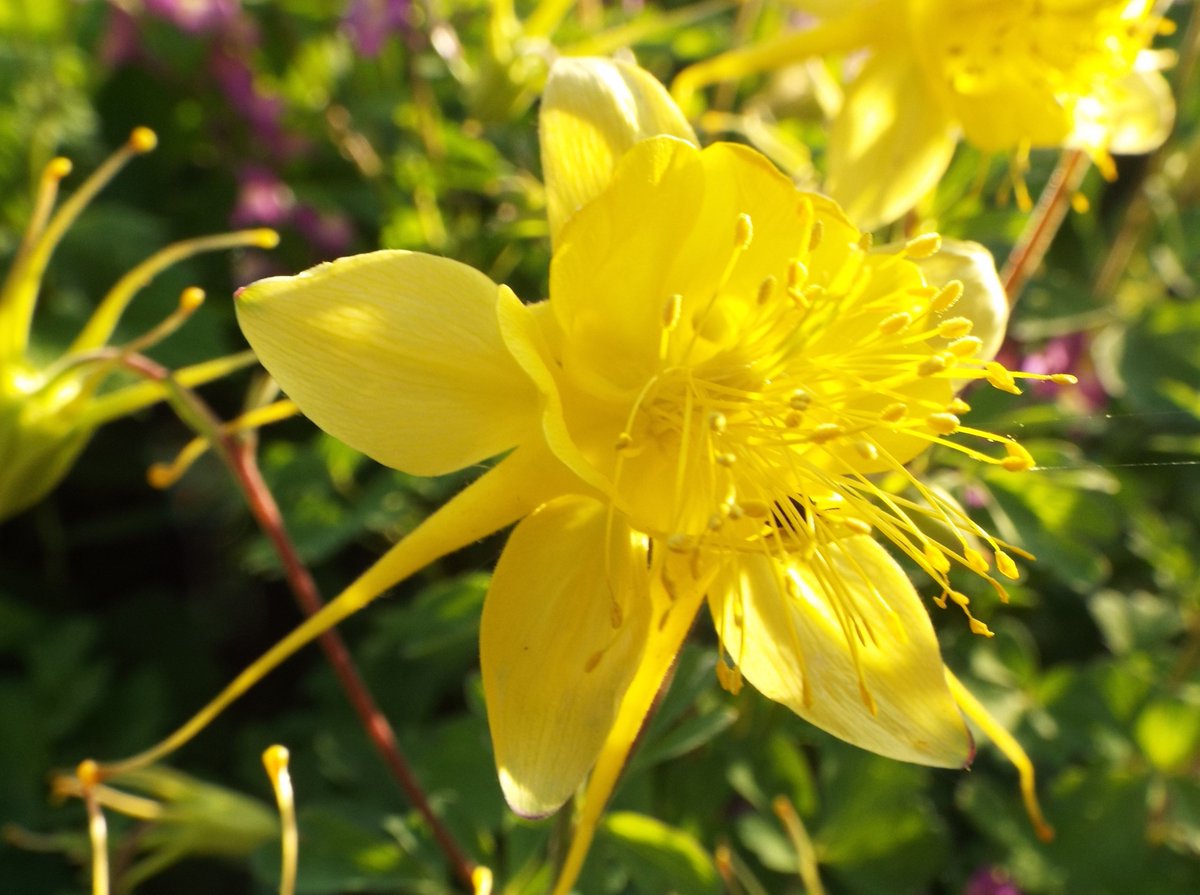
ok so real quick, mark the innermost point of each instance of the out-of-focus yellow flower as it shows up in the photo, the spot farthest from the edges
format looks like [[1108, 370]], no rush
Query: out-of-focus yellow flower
[[49, 411], [1006, 75], [697, 412]]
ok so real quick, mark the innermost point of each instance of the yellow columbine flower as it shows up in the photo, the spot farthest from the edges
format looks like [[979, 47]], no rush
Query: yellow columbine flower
[[1006, 75], [698, 412], [48, 411]]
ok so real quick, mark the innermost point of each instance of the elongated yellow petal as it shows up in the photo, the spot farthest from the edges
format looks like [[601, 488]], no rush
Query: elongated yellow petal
[[983, 300], [593, 111], [396, 353], [564, 626], [677, 591], [891, 143], [846, 644]]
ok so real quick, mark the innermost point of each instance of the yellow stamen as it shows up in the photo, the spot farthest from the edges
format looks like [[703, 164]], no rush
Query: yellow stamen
[[104, 320], [943, 423], [954, 328], [275, 760], [923, 246], [947, 297]]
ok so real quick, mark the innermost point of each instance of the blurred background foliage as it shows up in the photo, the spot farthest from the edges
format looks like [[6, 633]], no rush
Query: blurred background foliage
[[353, 125]]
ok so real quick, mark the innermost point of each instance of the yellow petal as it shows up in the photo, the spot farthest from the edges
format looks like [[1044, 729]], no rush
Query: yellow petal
[[890, 144], [564, 626], [789, 630], [983, 301], [613, 275], [1128, 117], [593, 111], [396, 353]]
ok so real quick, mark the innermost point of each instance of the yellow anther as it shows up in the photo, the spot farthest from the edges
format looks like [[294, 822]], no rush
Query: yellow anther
[[1165, 27], [959, 597], [275, 760], [797, 274], [823, 503], [142, 139], [999, 377], [976, 561], [813, 294], [894, 324], [947, 297], [715, 521], [726, 459], [857, 526], [866, 241], [931, 366], [191, 298], [88, 774], [756, 509], [826, 432], [958, 406], [717, 422], [1018, 459], [730, 678], [1080, 203], [793, 419], [967, 346], [1064, 379], [482, 880], [866, 449], [978, 627], [743, 232], [818, 231], [893, 413], [161, 476], [264, 238], [1007, 567], [624, 441], [58, 168], [672, 309], [955, 328], [943, 423], [923, 246], [766, 289], [735, 510], [679, 543], [936, 558], [799, 399]]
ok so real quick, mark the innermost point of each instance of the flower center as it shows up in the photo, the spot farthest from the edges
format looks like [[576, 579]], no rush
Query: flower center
[[1052, 46], [774, 407]]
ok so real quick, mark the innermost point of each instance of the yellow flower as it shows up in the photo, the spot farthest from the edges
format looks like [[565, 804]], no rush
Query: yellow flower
[[49, 411], [1006, 75], [698, 412]]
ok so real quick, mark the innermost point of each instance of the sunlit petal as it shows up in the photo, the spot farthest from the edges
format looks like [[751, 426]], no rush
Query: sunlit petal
[[891, 144], [593, 111], [846, 644], [564, 627], [396, 353]]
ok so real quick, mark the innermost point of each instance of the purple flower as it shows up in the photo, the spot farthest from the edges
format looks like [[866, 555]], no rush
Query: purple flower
[[195, 16], [263, 199], [1067, 354], [370, 23], [990, 881], [329, 235]]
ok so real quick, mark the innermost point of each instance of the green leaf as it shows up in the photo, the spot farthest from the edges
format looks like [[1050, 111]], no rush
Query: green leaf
[[660, 859]]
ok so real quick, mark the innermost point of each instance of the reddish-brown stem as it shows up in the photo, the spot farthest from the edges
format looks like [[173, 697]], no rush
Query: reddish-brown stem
[[239, 456], [1048, 215], [266, 513]]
